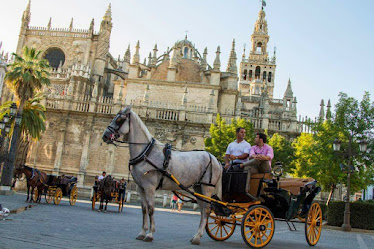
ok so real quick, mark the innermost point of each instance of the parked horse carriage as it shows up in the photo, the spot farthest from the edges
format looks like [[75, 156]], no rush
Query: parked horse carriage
[[284, 199], [59, 186], [155, 166], [110, 190]]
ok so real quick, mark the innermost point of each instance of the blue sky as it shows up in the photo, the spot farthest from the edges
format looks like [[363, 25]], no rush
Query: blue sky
[[324, 46]]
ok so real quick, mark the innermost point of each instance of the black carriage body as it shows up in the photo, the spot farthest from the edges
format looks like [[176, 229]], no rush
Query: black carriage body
[[282, 203], [66, 183]]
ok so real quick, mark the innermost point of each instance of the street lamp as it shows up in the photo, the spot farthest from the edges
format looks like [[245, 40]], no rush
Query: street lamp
[[13, 109], [349, 169]]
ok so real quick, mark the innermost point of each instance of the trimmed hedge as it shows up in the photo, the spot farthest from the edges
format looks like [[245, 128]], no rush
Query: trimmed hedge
[[324, 210], [362, 214]]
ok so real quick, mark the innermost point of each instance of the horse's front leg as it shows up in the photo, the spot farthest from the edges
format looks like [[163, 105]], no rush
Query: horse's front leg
[[106, 204], [143, 232], [28, 192], [101, 203], [150, 199], [32, 194], [205, 211]]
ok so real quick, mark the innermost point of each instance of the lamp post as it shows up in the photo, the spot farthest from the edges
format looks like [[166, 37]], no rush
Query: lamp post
[[7, 175], [5, 128], [350, 169]]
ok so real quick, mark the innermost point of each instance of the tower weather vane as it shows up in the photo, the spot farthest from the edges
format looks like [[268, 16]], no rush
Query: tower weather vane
[[263, 3]]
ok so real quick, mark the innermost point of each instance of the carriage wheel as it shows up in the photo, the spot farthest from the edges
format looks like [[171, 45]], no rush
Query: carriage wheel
[[258, 226], [35, 195], [49, 195], [313, 224], [73, 195], [94, 200], [58, 196], [220, 228]]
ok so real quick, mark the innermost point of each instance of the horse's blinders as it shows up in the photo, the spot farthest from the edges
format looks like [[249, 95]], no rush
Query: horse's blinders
[[119, 119]]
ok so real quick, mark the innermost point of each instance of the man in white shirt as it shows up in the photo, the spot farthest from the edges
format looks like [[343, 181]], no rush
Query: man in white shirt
[[102, 176], [237, 151]]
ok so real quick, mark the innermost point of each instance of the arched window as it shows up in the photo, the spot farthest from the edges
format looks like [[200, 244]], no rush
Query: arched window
[[245, 74], [269, 77], [264, 75], [250, 75], [55, 56], [257, 72], [259, 48], [185, 53]]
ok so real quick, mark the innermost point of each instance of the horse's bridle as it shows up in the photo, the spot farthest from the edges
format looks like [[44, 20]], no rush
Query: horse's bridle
[[20, 175], [119, 120]]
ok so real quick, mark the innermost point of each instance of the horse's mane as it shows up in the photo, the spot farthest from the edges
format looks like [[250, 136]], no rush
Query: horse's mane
[[142, 125], [27, 167]]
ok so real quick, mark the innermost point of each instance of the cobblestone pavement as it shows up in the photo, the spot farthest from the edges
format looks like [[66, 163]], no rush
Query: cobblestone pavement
[[64, 226]]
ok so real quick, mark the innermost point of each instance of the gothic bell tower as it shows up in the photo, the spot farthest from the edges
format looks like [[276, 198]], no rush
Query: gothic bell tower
[[257, 70]]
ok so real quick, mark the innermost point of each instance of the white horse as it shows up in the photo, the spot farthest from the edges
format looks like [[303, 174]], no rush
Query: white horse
[[197, 169]]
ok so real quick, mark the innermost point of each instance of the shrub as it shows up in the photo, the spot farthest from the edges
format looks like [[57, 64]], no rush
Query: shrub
[[362, 214]]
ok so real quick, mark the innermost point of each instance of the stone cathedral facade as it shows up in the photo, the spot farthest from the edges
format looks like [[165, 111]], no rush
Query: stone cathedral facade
[[177, 93]]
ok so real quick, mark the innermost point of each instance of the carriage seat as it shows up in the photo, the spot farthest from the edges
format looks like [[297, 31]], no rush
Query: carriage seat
[[255, 182], [294, 185]]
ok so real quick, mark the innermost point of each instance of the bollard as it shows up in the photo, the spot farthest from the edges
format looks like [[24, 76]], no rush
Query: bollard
[[165, 200], [128, 199]]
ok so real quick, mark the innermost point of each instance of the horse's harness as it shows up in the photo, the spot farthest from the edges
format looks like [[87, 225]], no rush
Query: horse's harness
[[38, 176], [143, 156]]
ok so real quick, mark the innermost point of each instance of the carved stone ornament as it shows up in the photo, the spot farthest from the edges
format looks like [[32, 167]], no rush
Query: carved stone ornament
[[193, 140]]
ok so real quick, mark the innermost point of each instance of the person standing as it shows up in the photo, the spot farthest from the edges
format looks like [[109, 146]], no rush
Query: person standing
[[260, 157], [237, 151], [102, 176], [180, 203], [174, 202]]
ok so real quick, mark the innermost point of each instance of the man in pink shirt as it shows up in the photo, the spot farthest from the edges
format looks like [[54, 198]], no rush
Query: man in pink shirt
[[260, 157]]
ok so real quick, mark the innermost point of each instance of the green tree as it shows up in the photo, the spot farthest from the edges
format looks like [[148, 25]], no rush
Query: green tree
[[283, 151], [27, 74], [221, 134], [33, 118], [314, 152], [355, 122]]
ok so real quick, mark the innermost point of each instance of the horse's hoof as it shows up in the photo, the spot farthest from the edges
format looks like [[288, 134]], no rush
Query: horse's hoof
[[195, 241], [140, 237], [148, 238], [105, 211], [98, 210]]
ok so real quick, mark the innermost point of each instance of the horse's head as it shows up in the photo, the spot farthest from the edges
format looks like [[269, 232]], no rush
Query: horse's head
[[18, 171], [120, 125]]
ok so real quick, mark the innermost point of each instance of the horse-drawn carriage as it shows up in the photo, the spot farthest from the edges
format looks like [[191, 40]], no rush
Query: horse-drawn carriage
[[285, 199], [153, 167], [110, 190], [53, 187], [59, 186]]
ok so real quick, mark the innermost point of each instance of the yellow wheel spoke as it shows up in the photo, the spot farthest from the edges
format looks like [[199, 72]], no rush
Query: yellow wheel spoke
[[225, 230], [265, 216], [261, 239], [221, 231], [264, 234], [250, 231], [216, 232], [214, 227]]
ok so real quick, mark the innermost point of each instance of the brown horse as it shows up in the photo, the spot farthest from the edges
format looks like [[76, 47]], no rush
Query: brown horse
[[35, 179], [106, 187]]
